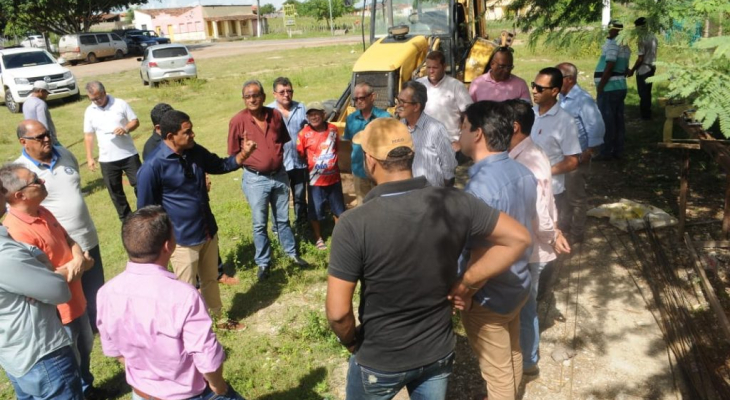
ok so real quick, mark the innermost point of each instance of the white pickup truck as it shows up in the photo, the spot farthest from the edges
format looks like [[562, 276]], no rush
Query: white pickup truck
[[21, 67]]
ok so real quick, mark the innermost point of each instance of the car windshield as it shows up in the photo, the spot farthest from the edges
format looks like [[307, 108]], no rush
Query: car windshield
[[170, 52], [425, 17], [30, 59]]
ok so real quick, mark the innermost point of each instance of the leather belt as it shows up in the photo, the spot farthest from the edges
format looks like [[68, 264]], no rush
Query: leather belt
[[145, 395], [269, 173]]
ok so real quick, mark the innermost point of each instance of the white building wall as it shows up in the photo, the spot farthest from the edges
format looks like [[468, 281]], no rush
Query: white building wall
[[141, 20]]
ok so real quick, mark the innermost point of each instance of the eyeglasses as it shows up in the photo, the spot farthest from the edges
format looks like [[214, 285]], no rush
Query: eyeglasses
[[540, 88], [251, 96], [35, 182], [401, 101], [187, 168], [40, 138], [285, 91], [361, 98], [98, 98], [508, 67]]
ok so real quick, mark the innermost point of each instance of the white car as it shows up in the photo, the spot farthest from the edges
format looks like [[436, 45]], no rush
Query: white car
[[34, 41], [21, 67], [166, 62]]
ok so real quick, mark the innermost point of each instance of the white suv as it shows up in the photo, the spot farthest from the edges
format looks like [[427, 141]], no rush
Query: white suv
[[20, 67]]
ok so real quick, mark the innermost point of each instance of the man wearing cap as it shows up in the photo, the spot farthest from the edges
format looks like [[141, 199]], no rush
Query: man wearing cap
[[644, 66], [35, 107], [610, 79], [265, 181], [364, 100], [407, 268]]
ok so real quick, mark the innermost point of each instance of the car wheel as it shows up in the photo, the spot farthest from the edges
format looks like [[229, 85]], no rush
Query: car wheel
[[118, 55], [73, 62], [144, 82], [10, 103], [91, 58]]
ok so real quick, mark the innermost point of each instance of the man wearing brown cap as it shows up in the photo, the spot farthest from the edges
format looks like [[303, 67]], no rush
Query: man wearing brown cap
[[403, 244], [35, 107]]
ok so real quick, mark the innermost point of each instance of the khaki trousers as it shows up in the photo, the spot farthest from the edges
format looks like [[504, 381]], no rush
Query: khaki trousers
[[495, 339], [363, 186], [200, 260]]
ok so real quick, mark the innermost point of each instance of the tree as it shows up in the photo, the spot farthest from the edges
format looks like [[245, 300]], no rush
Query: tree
[[129, 18], [59, 16], [268, 9], [320, 9]]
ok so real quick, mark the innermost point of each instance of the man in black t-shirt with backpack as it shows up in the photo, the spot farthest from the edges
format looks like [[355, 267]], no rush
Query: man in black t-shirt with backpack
[[403, 244]]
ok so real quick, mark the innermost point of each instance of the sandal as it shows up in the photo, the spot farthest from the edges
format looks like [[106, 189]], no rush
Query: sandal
[[320, 245]]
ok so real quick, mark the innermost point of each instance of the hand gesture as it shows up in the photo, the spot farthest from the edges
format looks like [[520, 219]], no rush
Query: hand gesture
[[561, 245], [119, 131], [91, 164], [460, 297], [249, 146]]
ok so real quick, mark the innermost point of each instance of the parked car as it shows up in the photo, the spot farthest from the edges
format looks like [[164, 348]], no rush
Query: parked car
[[34, 41], [21, 67], [138, 43], [152, 35], [92, 47], [166, 62]]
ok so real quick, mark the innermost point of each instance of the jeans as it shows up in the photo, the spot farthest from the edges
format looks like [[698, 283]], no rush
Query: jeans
[[298, 182], [91, 282], [79, 330], [55, 376], [206, 395], [529, 325], [644, 89], [428, 382], [262, 191], [611, 105], [112, 173]]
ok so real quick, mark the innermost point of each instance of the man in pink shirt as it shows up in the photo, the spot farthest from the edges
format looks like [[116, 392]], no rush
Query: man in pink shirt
[[548, 240], [498, 84], [156, 325]]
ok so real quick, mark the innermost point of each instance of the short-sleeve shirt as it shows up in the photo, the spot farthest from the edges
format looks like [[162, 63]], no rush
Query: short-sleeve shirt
[[618, 54], [355, 124], [45, 233], [37, 109], [446, 101], [557, 135], [647, 48], [320, 150], [65, 200], [269, 154], [486, 88], [403, 244], [296, 120], [102, 121]]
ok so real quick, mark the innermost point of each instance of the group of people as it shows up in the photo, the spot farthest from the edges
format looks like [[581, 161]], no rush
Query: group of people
[[419, 247]]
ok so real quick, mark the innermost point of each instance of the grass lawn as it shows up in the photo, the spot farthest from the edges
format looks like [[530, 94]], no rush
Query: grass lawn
[[287, 351]]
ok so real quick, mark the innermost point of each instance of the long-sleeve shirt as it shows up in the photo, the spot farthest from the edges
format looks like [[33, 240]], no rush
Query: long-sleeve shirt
[[296, 120], [583, 108], [177, 183], [434, 157], [528, 154], [29, 330], [162, 329], [508, 186]]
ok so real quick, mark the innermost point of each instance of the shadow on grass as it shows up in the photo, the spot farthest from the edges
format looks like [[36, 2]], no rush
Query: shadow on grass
[[117, 385], [307, 389], [93, 186]]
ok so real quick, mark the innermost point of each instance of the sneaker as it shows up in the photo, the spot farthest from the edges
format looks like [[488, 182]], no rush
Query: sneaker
[[263, 273], [299, 261], [230, 325], [228, 280]]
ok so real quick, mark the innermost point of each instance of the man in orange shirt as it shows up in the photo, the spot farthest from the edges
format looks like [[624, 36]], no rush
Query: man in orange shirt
[[28, 222]]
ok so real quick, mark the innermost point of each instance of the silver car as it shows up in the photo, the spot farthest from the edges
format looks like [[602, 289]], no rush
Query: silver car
[[166, 62]]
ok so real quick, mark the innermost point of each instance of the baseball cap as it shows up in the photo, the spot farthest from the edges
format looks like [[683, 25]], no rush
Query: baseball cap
[[315, 105], [615, 24], [40, 85], [383, 135], [640, 21]]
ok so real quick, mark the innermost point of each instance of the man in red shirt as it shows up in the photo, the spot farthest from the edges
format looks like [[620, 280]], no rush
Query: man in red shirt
[[318, 143], [265, 180]]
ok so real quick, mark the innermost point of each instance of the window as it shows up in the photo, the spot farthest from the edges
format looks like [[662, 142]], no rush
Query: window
[[30, 59], [170, 52], [198, 26], [87, 39], [115, 37], [190, 27], [144, 26], [181, 29], [103, 38]]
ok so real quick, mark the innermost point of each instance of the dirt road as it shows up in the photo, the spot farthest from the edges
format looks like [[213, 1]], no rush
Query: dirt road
[[213, 50]]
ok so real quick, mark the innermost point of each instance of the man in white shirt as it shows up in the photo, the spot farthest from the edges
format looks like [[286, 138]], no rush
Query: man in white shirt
[[111, 120], [447, 96], [644, 66], [555, 131]]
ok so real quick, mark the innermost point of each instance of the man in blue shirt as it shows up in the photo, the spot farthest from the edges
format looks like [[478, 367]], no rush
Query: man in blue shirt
[[174, 177], [294, 115], [579, 103], [364, 98], [492, 324]]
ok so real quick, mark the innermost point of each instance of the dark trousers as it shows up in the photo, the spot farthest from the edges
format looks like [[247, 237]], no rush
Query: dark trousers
[[644, 89], [561, 203], [112, 173], [91, 281], [298, 182], [611, 105]]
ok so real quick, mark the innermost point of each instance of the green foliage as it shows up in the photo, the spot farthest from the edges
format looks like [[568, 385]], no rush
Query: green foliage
[[129, 18], [268, 8], [703, 76], [320, 9]]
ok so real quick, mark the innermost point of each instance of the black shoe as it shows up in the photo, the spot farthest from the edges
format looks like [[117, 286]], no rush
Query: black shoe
[[299, 261], [263, 273]]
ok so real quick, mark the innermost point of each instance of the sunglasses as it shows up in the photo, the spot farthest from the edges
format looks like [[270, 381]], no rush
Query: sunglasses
[[361, 98], [504, 66], [39, 138], [286, 91], [251, 96], [401, 101], [35, 182], [540, 88]]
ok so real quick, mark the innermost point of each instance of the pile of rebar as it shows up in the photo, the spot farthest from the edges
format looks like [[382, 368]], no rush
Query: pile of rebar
[[689, 326]]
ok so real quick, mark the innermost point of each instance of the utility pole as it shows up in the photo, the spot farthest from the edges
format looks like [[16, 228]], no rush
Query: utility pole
[[258, 18], [332, 29]]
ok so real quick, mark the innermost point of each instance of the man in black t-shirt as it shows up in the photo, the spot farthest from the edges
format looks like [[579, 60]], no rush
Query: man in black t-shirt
[[402, 245], [154, 140]]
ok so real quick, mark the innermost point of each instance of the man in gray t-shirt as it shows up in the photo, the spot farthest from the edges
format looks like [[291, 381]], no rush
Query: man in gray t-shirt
[[35, 107], [644, 67]]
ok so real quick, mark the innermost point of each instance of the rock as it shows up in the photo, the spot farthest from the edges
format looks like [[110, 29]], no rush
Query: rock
[[562, 353]]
